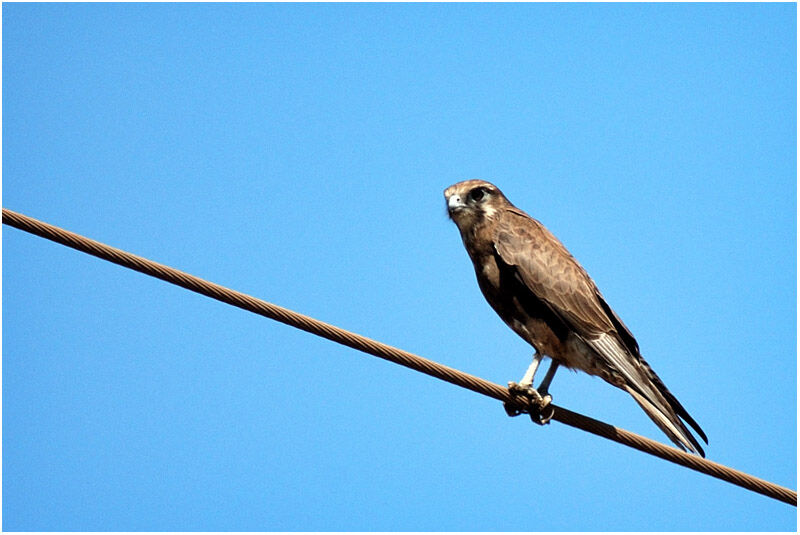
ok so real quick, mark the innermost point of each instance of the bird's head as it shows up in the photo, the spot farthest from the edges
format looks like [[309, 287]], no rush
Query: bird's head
[[472, 202]]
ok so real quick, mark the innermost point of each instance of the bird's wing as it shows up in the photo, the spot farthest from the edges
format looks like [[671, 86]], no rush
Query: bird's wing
[[553, 275], [545, 266]]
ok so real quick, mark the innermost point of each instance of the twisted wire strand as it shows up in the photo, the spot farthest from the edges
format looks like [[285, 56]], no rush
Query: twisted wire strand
[[393, 354]]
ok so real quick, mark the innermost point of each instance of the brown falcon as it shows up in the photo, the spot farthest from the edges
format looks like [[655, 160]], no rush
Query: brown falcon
[[539, 290]]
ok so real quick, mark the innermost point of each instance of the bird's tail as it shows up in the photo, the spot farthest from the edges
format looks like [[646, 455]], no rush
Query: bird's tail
[[668, 422], [650, 393]]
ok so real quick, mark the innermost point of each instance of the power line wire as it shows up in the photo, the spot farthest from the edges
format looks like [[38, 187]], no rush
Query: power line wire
[[393, 354]]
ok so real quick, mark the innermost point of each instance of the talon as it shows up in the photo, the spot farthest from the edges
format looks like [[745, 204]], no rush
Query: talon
[[512, 410], [544, 412], [544, 420]]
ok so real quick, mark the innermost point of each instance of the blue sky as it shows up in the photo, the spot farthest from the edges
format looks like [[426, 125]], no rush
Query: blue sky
[[298, 153]]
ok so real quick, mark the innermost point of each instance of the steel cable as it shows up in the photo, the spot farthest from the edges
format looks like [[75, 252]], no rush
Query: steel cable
[[393, 354]]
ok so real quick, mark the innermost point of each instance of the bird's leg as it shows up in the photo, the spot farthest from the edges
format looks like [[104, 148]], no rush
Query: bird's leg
[[527, 380], [544, 387]]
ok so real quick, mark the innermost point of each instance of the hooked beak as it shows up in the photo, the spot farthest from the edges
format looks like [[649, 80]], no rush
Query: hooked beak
[[454, 203]]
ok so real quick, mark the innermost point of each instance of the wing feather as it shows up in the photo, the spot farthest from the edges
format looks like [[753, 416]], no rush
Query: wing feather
[[546, 267]]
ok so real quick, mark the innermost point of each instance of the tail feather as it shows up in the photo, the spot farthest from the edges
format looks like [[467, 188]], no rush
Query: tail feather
[[669, 424], [649, 392], [676, 406]]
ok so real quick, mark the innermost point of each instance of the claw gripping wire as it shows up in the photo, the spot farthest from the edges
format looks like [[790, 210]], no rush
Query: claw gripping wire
[[537, 407]]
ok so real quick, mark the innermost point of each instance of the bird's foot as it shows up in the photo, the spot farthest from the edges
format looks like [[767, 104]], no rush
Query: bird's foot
[[545, 412], [538, 407], [513, 409], [521, 389]]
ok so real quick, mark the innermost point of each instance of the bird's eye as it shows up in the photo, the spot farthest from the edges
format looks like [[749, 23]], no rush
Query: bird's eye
[[477, 194]]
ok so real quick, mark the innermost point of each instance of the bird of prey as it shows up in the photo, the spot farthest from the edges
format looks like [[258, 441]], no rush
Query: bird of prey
[[539, 290]]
